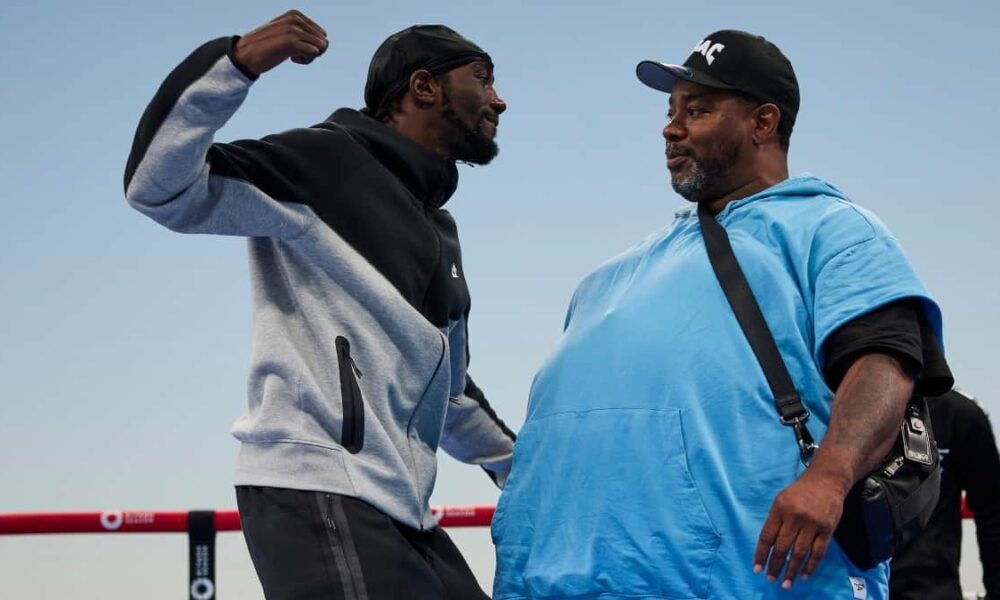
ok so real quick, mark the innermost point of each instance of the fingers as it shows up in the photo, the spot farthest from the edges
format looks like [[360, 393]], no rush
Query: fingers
[[294, 16], [818, 552], [308, 23], [789, 543], [792, 545], [292, 35], [768, 535], [779, 551], [305, 53], [289, 34], [803, 544]]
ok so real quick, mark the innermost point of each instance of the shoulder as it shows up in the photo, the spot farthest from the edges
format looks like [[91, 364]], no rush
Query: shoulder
[[324, 136], [304, 152], [837, 224], [808, 217]]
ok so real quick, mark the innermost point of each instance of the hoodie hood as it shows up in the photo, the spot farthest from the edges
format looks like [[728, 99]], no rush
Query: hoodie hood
[[805, 185], [429, 176]]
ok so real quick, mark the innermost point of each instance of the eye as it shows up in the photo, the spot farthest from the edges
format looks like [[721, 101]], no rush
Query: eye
[[694, 111]]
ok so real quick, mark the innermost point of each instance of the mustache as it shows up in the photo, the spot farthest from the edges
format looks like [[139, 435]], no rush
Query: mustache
[[673, 151]]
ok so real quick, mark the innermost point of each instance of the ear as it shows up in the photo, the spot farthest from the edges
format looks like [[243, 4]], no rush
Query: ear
[[765, 123], [424, 87]]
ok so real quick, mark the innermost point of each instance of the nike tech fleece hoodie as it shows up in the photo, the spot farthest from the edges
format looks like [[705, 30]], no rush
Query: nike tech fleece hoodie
[[360, 305]]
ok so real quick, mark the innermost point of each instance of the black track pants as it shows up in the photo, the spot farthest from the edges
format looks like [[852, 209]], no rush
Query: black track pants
[[314, 545]]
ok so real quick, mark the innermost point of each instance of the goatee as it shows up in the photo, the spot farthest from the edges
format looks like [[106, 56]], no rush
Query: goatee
[[464, 143], [708, 175]]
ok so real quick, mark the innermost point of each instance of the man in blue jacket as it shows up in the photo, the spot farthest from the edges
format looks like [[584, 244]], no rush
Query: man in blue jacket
[[652, 463]]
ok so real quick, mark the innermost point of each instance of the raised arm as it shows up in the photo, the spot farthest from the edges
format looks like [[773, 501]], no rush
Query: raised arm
[[169, 175]]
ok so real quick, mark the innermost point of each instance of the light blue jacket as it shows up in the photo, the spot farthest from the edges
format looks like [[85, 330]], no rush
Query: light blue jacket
[[652, 449]]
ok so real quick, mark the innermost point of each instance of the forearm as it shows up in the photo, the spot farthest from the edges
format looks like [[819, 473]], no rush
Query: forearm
[[474, 434], [176, 129], [867, 411]]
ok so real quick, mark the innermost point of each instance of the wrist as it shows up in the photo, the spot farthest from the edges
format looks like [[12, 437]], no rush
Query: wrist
[[237, 57], [833, 474]]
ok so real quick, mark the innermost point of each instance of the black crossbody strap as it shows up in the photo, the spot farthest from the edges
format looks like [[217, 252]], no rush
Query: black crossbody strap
[[789, 405]]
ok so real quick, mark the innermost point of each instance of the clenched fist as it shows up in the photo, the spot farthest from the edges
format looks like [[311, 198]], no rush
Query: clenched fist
[[292, 35]]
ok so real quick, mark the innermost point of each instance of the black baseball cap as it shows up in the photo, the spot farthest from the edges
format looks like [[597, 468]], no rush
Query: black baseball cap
[[433, 47], [732, 60]]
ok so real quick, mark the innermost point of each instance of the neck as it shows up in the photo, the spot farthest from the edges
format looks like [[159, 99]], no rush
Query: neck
[[758, 181], [419, 131]]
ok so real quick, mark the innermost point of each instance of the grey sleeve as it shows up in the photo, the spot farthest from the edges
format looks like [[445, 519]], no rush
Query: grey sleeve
[[474, 434], [168, 176]]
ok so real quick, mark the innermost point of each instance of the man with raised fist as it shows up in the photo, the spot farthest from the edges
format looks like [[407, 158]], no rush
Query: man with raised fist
[[360, 305]]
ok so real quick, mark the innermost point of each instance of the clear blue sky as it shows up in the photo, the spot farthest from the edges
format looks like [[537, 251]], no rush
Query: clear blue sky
[[124, 347]]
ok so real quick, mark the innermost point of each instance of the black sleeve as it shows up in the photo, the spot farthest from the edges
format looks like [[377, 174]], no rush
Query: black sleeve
[[898, 329], [979, 469], [935, 377]]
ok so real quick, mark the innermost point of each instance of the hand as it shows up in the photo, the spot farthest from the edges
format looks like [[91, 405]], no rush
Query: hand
[[292, 35], [802, 519]]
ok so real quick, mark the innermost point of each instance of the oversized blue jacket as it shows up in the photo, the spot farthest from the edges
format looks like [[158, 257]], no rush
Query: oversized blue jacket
[[652, 449]]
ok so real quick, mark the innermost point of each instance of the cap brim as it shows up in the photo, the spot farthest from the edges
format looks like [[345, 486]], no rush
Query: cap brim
[[662, 76]]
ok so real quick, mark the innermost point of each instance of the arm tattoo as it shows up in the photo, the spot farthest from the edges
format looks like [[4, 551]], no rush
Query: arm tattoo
[[867, 411]]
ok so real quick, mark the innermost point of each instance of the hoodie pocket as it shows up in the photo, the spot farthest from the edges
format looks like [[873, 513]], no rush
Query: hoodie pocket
[[352, 435], [601, 502]]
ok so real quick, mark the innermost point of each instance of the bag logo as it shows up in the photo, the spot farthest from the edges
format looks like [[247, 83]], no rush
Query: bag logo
[[707, 49], [859, 587]]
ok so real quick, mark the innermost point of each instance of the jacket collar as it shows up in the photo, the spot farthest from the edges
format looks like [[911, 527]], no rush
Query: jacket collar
[[429, 176]]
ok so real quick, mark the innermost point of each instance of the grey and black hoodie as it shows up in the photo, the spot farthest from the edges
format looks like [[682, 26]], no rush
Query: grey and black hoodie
[[360, 305]]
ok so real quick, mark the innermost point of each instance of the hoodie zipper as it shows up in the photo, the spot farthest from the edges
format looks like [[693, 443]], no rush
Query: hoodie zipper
[[352, 435]]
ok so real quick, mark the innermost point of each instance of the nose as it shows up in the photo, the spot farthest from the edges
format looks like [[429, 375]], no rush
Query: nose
[[497, 103], [673, 130]]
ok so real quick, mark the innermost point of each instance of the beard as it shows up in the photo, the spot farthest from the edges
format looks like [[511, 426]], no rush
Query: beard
[[464, 143], [708, 177]]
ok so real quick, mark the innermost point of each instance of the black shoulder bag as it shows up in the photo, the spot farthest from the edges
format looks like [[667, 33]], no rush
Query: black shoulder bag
[[890, 506]]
